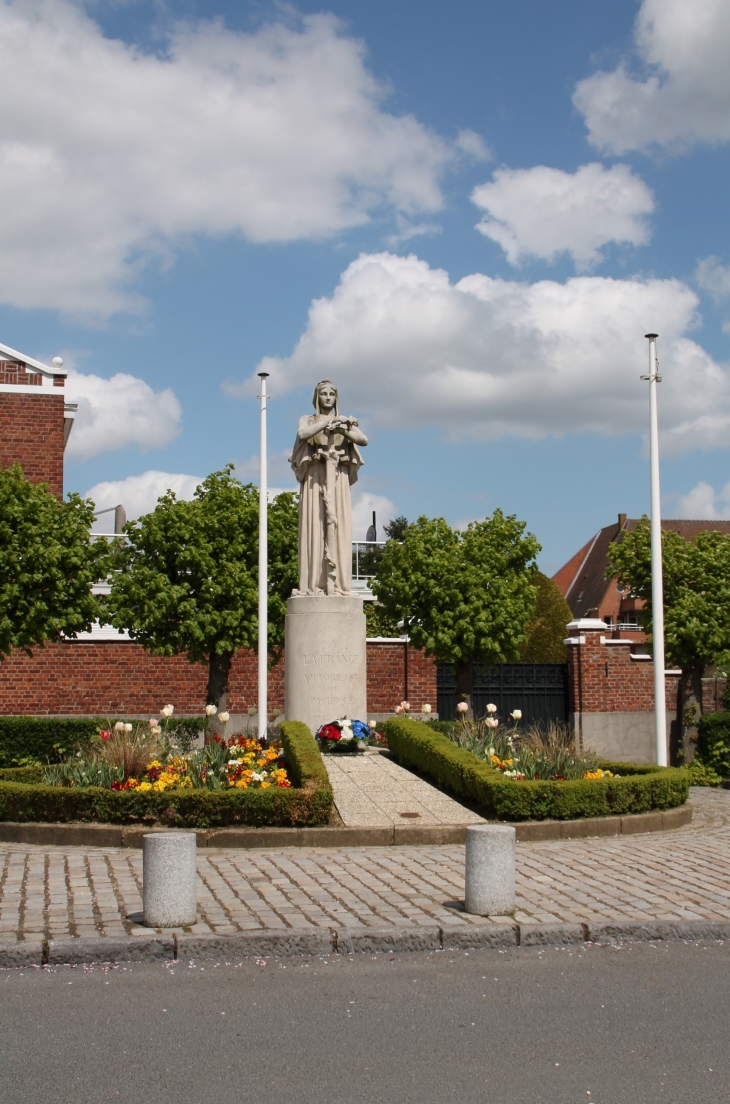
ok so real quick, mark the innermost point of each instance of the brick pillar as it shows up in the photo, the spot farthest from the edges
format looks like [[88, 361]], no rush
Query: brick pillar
[[611, 694]]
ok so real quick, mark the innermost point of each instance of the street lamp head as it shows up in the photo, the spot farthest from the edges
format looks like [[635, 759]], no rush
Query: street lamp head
[[263, 375], [651, 336]]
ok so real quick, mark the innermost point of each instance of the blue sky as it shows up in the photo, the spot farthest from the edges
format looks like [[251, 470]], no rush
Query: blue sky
[[467, 215]]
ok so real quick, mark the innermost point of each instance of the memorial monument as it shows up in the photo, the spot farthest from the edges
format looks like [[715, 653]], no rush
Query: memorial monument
[[325, 674]]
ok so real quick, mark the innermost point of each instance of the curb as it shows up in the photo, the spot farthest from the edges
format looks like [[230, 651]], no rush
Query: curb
[[407, 835], [338, 941]]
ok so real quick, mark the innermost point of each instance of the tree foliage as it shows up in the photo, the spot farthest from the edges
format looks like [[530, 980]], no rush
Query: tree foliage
[[464, 596], [696, 600], [547, 628], [48, 562], [187, 581]]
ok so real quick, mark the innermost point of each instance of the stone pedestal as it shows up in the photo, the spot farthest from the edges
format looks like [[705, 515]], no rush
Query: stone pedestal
[[325, 669]]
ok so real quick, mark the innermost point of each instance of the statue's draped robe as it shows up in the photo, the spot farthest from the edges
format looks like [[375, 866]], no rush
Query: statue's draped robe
[[325, 566]]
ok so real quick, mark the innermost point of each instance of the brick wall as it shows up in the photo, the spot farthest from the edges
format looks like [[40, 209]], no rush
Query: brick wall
[[604, 678], [109, 677], [31, 432], [386, 678]]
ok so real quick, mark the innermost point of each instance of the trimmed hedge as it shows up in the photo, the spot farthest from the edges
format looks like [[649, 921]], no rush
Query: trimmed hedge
[[29, 776], [639, 790], [308, 802], [713, 743], [45, 739], [52, 739]]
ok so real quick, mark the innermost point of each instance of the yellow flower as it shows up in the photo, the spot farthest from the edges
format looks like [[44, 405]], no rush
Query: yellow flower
[[265, 785], [144, 787]]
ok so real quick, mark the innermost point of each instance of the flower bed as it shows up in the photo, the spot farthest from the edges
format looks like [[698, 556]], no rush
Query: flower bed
[[174, 800], [639, 789]]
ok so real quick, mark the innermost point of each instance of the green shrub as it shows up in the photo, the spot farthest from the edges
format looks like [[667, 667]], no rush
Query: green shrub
[[639, 790], [713, 743], [308, 802], [700, 775], [52, 739]]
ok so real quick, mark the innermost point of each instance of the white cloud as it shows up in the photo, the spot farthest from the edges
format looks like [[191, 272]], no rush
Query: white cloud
[[682, 97], [544, 212], [714, 277], [486, 359], [117, 412], [138, 494], [111, 157], [363, 504], [704, 503]]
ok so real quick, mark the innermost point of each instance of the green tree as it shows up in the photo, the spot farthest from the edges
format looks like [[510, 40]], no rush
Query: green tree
[[465, 597], [48, 562], [547, 628], [187, 581], [696, 601]]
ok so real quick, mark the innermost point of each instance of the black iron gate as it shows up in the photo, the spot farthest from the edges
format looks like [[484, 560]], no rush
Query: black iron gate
[[540, 690]]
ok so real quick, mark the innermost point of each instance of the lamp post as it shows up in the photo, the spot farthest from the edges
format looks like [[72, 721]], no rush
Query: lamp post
[[657, 587], [263, 670]]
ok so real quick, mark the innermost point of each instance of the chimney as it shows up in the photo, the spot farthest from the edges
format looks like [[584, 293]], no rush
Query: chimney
[[621, 521]]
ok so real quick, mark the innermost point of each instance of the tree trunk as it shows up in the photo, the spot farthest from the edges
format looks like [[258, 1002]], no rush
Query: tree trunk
[[219, 667], [689, 709], [465, 688]]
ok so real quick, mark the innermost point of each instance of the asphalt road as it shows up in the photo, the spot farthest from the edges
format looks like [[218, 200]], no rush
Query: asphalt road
[[640, 1024]]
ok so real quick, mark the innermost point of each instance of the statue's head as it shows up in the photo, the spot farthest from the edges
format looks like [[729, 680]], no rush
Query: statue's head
[[325, 397]]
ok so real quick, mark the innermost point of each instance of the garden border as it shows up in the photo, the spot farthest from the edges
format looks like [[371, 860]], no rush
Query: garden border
[[426, 835], [307, 802], [641, 789]]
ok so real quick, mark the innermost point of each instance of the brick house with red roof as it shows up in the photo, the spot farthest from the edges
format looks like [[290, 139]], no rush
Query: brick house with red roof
[[584, 584]]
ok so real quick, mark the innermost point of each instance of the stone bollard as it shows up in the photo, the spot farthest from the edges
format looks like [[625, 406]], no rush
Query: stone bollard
[[490, 869], [169, 879]]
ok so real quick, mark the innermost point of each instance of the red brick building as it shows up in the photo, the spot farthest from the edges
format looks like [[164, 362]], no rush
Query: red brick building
[[589, 592], [35, 419]]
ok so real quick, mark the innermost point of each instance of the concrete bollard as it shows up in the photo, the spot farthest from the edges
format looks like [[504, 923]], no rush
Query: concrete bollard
[[490, 869], [169, 879]]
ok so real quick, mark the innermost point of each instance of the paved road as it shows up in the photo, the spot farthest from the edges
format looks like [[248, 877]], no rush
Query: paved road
[[639, 1024]]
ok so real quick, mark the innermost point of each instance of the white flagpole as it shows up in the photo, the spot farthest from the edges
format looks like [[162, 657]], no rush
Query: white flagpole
[[263, 668], [657, 583]]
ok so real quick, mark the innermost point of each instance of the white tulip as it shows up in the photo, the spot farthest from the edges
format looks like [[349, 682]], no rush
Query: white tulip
[[211, 710], [152, 722], [119, 726], [425, 708], [252, 710], [128, 727], [462, 707], [516, 714], [491, 708], [492, 722], [223, 717], [372, 724]]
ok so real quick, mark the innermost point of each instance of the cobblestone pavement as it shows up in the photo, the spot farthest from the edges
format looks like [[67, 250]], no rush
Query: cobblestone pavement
[[372, 790], [55, 892]]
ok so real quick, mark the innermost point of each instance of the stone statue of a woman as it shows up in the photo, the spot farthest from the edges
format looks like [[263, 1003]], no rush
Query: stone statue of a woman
[[325, 460]]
